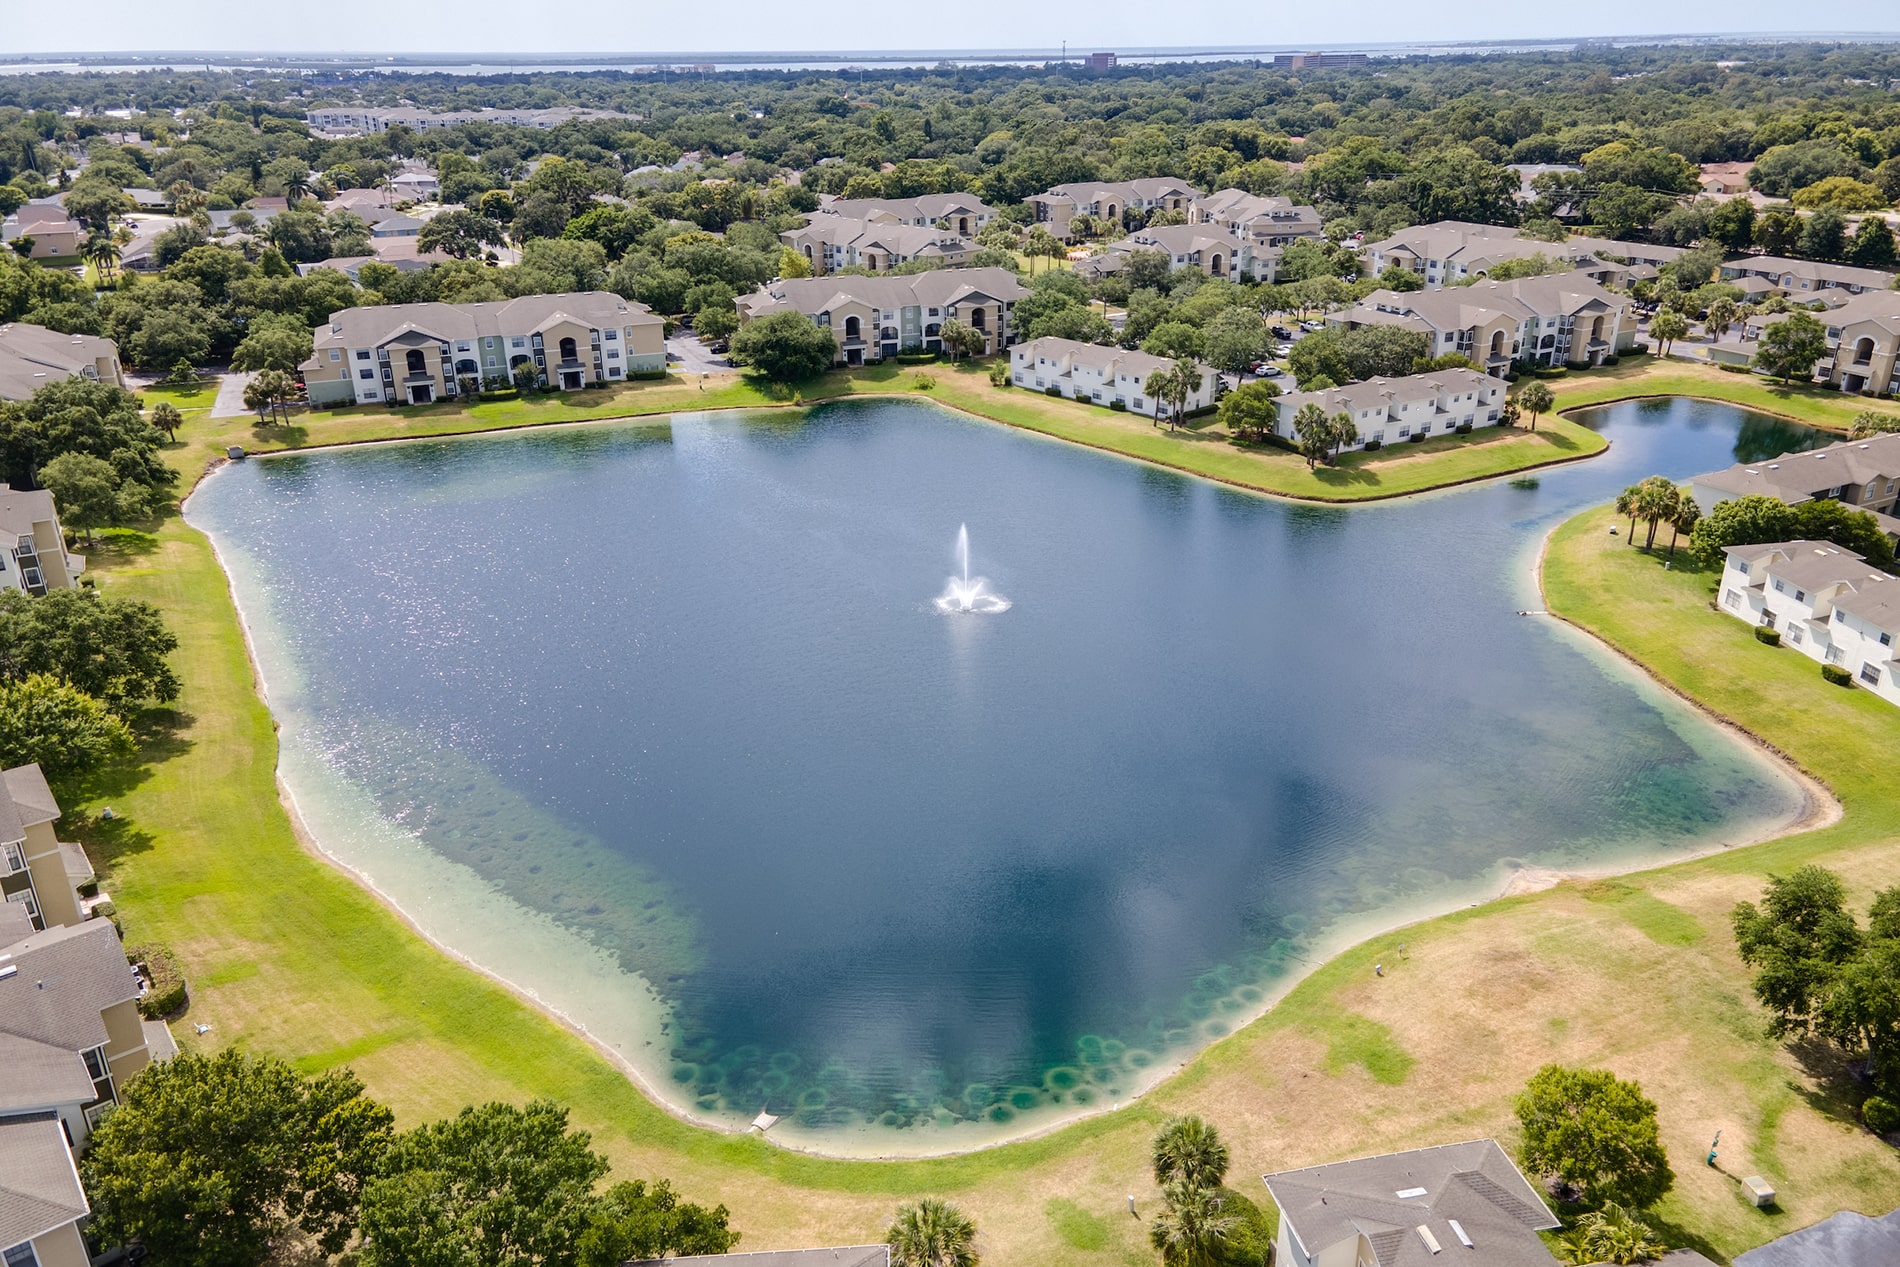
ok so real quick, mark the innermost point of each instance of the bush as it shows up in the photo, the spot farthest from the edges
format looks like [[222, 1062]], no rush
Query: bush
[[1417, 437], [924, 382], [1119, 406], [649, 376], [104, 910], [1837, 675], [168, 993], [1550, 371], [999, 374], [916, 358], [1463, 429], [88, 888], [1770, 636], [1052, 391], [1373, 446], [1610, 360], [500, 394], [1881, 1115]]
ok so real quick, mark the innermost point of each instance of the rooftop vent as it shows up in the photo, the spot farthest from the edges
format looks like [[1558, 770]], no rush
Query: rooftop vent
[[1458, 1230], [1405, 1193], [9, 970], [1425, 1234]]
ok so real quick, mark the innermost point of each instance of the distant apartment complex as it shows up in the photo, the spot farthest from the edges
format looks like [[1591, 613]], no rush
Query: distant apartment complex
[[1451, 251], [962, 214], [1395, 410], [831, 242], [1863, 341], [411, 354], [1208, 248], [1254, 218], [364, 119], [33, 356], [1803, 278], [871, 318], [1825, 601], [1319, 61], [1860, 474], [1558, 319], [1104, 375], [1109, 200]]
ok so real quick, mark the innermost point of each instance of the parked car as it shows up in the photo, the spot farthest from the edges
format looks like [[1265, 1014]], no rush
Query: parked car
[[1281, 332], [1269, 371], [1312, 327], [721, 347]]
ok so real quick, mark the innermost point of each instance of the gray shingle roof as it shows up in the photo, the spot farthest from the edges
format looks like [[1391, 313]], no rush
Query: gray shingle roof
[[32, 356], [39, 1186], [374, 326], [1796, 477], [63, 979], [40, 1075], [24, 797], [1387, 1199], [1847, 1238]]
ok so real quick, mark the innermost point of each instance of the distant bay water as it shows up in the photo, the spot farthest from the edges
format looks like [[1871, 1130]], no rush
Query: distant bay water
[[662, 723]]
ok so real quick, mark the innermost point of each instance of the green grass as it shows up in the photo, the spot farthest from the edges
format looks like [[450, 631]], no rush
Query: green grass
[[1077, 1227], [1359, 1040]]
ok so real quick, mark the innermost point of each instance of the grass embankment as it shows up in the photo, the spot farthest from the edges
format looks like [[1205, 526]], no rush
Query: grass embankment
[[1206, 449], [288, 956], [1649, 376]]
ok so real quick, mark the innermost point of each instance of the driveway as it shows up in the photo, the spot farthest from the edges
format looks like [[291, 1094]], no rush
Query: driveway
[[685, 354], [230, 401]]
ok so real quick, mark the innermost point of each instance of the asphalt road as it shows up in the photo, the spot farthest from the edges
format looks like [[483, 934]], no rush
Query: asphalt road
[[685, 354]]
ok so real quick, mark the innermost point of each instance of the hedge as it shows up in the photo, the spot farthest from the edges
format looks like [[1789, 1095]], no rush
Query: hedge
[[1770, 636], [1837, 675], [168, 993]]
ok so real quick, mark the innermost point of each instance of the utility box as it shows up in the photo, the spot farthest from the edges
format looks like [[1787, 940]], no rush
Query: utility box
[[1760, 1189]]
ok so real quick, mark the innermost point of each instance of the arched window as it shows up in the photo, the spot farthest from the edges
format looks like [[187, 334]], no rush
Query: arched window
[[1497, 343], [1596, 330], [417, 362], [1863, 351], [978, 318], [1214, 265], [569, 351], [851, 328], [467, 366]]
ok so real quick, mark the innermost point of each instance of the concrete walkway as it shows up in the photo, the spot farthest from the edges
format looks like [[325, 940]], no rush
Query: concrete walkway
[[230, 401]]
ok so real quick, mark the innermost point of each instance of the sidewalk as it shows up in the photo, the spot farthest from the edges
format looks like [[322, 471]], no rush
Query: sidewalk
[[230, 401]]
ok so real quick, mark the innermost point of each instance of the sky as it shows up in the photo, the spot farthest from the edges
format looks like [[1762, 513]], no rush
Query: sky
[[643, 26]]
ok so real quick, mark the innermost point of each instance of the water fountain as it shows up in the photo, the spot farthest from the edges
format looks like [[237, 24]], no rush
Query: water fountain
[[967, 593]]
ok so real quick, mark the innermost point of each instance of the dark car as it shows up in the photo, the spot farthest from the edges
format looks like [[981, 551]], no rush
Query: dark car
[[1281, 332], [721, 347]]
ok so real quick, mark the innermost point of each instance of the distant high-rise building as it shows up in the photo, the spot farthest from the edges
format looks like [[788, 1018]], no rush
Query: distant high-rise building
[[1320, 61], [1101, 61]]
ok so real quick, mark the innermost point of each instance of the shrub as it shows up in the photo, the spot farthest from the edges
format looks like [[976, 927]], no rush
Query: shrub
[[1551, 371], [1052, 391], [1770, 636], [168, 993], [104, 910], [999, 374], [924, 382], [916, 358], [647, 375], [88, 888], [1373, 446], [1418, 437], [1837, 675], [1119, 406], [1464, 429], [501, 394], [1610, 360], [1881, 1115]]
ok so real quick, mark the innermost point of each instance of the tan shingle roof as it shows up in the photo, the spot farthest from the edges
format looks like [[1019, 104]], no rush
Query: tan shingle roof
[[40, 1075], [63, 979], [39, 1185]]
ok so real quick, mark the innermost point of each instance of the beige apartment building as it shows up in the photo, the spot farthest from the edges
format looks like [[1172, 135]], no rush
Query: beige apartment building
[[41, 1201], [1209, 248], [962, 214], [40, 874], [1261, 221], [54, 235], [33, 555], [32, 356], [871, 318], [1559, 319], [1109, 200], [412, 354], [1860, 474], [1863, 341], [1804, 279], [1451, 251], [832, 242]]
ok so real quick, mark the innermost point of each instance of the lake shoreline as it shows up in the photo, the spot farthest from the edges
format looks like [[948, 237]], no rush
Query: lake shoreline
[[1346, 935]]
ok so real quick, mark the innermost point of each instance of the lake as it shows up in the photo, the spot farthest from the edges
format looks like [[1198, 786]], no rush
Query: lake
[[661, 724]]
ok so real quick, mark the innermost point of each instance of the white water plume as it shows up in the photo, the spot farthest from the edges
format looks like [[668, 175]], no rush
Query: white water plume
[[966, 593]]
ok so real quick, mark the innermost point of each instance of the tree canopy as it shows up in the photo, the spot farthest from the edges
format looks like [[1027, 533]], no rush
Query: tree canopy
[[1594, 1137]]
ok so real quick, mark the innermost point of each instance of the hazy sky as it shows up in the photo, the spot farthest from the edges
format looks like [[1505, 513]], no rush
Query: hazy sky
[[366, 26]]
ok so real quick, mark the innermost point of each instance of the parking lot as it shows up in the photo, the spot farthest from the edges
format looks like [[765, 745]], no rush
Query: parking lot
[[685, 354]]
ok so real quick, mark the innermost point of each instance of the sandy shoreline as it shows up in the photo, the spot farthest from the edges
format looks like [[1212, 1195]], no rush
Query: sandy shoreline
[[1819, 808]]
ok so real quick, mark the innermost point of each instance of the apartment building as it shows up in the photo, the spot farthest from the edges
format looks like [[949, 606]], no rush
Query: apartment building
[[1109, 200], [962, 214], [1454, 250], [1207, 247], [1558, 319], [41, 1201], [1397, 410], [54, 236], [1860, 474], [415, 186], [34, 557], [1263, 221], [411, 354], [1826, 601], [1863, 341], [831, 242], [66, 994], [40, 874], [1804, 279], [369, 119], [871, 318], [1103, 375], [32, 356]]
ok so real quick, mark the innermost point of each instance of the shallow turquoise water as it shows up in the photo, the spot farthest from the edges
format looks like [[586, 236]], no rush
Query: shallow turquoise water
[[683, 690]]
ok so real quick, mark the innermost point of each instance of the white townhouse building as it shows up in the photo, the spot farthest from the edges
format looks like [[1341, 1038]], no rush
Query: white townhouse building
[[1109, 200], [1827, 602], [1103, 375], [411, 354], [1395, 410]]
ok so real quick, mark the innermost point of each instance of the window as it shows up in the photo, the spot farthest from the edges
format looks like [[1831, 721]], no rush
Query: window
[[1794, 634], [1840, 617], [1741, 567], [1834, 655], [14, 856], [1404, 432], [366, 373], [335, 355], [1886, 640], [362, 354], [1870, 674], [517, 342], [1779, 589], [1800, 596], [464, 346], [22, 1255], [612, 335], [1767, 620]]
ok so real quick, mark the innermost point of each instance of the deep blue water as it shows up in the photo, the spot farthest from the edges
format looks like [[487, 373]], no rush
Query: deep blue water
[[685, 690]]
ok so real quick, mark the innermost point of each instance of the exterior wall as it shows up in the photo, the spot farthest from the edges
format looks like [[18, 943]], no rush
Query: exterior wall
[[59, 569], [584, 352], [126, 1053], [61, 1247], [53, 891], [396, 358], [1401, 419], [329, 382], [853, 350], [1881, 369], [53, 244], [1811, 624]]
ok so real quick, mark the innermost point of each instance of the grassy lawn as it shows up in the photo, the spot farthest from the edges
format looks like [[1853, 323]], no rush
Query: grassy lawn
[[1651, 376], [289, 956], [1205, 449]]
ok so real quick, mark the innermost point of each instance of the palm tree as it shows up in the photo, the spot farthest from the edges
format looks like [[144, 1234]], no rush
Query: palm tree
[[1534, 399], [1184, 379], [1720, 317], [1192, 1231], [1687, 516], [1626, 509], [1190, 1151], [1658, 501], [296, 186], [1157, 388], [932, 1233], [1873, 422], [1613, 1235], [102, 253], [166, 418], [1668, 326]]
